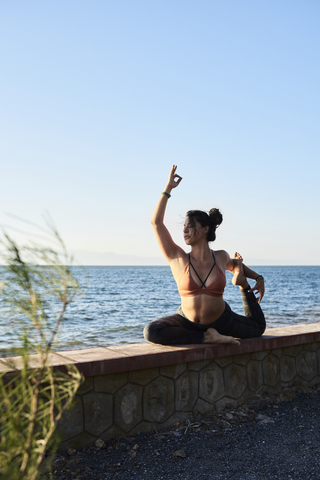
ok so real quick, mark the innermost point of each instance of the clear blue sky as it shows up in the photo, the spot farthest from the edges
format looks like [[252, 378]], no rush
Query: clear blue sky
[[100, 98]]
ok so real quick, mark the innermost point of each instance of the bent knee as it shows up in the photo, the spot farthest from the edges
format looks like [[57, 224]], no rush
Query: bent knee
[[260, 332], [151, 333], [146, 333], [261, 329]]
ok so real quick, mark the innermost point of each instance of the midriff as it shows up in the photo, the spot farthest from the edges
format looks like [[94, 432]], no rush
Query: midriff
[[202, 309]]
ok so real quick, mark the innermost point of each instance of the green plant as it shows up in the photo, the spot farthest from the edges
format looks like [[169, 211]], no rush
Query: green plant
[[36, 288]]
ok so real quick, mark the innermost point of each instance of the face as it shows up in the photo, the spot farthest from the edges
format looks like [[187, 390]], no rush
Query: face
[[188, 231], [193, 231]]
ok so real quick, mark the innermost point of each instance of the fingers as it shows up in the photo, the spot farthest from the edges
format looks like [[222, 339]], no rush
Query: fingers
[[172, 172], [173, 169], [174, 178], [177, 179], [255, 290]]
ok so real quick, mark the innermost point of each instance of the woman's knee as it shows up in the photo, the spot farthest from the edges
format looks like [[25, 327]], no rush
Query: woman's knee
[[262, 329], [263, 324], [152, 332], [147, 332]]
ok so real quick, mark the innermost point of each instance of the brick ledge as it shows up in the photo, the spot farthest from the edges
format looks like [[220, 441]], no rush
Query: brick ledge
[[138, 356]]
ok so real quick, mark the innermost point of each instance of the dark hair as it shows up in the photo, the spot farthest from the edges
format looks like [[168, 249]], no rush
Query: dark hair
[[213, 220]]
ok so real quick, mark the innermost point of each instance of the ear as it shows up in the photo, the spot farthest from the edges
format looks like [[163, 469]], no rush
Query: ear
[[206, 230]]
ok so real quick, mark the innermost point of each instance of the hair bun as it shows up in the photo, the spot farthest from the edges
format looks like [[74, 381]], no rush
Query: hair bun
[[215, 216]]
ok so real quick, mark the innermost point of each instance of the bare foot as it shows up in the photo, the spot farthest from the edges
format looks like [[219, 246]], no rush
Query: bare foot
[[238, 275], [212, 336]]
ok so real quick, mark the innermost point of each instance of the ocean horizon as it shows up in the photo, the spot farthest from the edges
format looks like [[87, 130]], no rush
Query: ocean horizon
[[108, 259], [118, 301]]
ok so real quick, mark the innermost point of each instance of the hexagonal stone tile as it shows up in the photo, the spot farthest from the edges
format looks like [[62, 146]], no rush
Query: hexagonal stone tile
[[173, 371], [203, 408], [242, 359], [235, 380], [176, 417], [293, 351], [223, 361], [186, 391], [158, 400], [271, 369], [112, 432], [307, 365], [260, 355], [287, 368], [86, 386], [71, 423], [313, 347], [199, 365], [277, 352], [143, 377], [128, 406], [211, 385], [81, 441], [110, 383], [254, 375], [226, 403], [98, 412], [315, 382]]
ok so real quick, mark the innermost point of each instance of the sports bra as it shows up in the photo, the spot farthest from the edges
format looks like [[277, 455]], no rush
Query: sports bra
[[188, 288]]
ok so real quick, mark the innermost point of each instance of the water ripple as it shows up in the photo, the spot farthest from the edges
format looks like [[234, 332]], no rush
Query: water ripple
[[119, 301]]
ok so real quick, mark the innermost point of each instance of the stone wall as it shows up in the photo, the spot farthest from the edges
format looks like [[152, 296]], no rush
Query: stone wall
[[125, 403], [141, 387]]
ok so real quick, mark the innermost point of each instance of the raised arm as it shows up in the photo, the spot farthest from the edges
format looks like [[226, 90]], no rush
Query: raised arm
[[167, 245]]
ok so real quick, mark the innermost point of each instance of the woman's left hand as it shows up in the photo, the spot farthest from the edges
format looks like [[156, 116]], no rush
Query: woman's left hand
[[259, 288]]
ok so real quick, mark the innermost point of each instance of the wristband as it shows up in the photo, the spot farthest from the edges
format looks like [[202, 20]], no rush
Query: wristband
[[259, 277], [166, 194]]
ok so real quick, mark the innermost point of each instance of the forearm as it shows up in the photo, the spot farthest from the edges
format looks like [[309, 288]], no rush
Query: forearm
[[259, 286], [249, 273], [158, 214]]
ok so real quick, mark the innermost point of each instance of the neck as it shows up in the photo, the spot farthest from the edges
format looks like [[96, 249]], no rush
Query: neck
[[201, 252]]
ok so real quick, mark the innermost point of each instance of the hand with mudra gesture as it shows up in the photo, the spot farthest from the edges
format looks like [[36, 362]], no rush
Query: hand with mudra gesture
[[174, 178]]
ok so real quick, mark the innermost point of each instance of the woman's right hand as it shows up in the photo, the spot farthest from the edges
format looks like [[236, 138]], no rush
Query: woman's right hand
[[174, 179]]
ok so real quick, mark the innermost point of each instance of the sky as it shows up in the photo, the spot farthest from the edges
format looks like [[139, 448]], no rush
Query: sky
[[99, 99]]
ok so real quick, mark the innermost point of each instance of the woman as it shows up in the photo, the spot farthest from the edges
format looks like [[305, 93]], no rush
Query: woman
[[203, 317]]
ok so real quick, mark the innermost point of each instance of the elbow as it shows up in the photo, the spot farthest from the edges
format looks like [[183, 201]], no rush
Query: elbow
[[155, 222]]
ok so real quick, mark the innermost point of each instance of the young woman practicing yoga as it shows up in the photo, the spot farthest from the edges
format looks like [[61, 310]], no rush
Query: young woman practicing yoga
[[203, 317]]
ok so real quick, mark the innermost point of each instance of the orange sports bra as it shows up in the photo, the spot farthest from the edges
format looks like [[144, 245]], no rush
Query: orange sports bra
[[188, 288]]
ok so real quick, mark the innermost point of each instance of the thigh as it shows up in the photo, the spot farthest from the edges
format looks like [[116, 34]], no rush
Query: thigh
[[238, 326], [174, 330]]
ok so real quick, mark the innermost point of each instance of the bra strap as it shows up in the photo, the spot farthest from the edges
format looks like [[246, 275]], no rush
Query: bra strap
[[195, 271]]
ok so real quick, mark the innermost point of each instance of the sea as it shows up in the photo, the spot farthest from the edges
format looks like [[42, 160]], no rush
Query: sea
[[116, 302]]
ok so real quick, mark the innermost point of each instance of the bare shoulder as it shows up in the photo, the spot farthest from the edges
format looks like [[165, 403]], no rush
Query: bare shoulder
[[178, 263], [223, 259], [222, 255]]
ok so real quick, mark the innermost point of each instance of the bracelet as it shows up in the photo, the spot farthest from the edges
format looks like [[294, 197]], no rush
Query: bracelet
[[259, 277], [166, 194]]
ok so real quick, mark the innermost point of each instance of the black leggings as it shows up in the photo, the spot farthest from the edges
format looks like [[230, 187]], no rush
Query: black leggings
[[178, 330]]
